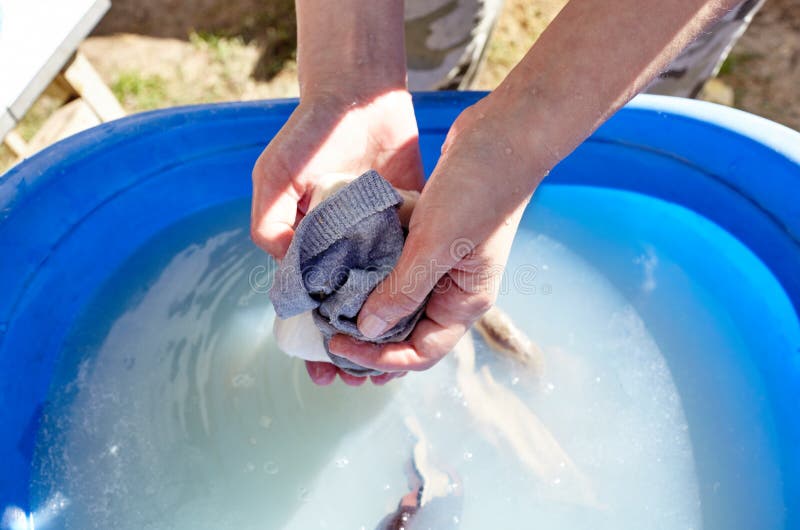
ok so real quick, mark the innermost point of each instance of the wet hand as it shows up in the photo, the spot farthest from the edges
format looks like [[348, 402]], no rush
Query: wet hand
[[330, 133], [460, 235]]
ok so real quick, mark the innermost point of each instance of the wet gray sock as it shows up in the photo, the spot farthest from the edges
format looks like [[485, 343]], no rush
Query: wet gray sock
[[340, 251]]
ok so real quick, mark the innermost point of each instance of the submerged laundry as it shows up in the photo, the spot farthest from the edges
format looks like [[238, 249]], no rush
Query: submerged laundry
[[340, 252], [509, 422], [435, 496]]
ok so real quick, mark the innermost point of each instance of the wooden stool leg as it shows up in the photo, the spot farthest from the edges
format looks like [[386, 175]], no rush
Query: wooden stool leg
[[16, 144], [96, 104], [81, 76]]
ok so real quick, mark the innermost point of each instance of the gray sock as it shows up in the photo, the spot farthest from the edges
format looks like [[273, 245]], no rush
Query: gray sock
[[340, 251]]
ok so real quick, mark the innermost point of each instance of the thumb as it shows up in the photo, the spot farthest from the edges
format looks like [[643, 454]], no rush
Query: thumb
[[274, 208], [422, 263]]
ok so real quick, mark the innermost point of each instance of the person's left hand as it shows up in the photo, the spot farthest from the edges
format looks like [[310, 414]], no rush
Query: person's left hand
[[331, 133]]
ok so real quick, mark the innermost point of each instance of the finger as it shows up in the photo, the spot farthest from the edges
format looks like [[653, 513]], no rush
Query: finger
[[462, 296], [274, 208], [423, 261], [457, 301], [389, 357], [351, 380], [410, 199], [403, 166], [452, 309], [386, 377], [429, 343], [321, 373]]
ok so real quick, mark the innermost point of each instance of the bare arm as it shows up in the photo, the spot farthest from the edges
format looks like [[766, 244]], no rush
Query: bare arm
[[354, 114], [353, 47], [592, 59]]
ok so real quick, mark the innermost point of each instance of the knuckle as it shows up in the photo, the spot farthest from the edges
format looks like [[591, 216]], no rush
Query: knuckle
[[394, 303], [419, 366], [430, 351], [427, 364], [402, 303], [257, 237], [263, 242], [480, 303], [259, 169], [408, 300]]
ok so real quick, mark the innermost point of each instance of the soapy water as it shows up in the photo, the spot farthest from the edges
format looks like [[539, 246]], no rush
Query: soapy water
[[173, 409]]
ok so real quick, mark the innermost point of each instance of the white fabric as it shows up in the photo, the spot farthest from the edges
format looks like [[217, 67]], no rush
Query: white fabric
[[298, 336]]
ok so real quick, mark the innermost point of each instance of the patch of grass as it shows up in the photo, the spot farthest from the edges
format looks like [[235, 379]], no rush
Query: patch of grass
[[734, 61], [44, 106], [220, 46], [140, 92]]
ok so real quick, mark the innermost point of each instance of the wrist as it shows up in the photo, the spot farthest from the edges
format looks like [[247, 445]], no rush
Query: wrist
[[360, 56], [349, 77], [342, 103], [355, 86], [511, 136], [529, 126]]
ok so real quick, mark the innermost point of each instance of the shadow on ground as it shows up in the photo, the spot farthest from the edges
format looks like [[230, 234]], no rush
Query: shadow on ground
[[269, 24]]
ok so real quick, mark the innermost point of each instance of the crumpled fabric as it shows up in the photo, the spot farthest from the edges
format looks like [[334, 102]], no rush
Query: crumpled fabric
[[341, 250]]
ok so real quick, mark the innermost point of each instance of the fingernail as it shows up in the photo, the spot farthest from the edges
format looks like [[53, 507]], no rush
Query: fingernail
[[372, 326]]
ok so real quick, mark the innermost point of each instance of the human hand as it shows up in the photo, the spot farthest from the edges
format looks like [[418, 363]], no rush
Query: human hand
[[460, 235], [330, 133]]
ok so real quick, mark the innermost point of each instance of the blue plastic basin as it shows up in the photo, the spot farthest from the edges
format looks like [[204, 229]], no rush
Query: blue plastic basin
[[71, 215]]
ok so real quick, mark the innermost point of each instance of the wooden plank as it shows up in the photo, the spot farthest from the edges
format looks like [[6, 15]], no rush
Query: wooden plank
[[60, 89], [87, 83], [72, 118], [16, 144]]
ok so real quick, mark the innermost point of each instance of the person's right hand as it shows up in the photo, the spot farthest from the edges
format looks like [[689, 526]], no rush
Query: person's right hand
[[459, 239], [331, 133]]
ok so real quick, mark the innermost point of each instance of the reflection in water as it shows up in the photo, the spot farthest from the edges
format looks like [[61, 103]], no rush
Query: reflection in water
[[15, 518], [172, 408]]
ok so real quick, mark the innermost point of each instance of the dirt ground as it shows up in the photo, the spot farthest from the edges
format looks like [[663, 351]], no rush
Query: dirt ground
[[159, 53], [764, 67]]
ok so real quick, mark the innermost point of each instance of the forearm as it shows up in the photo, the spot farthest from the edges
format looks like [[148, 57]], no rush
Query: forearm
[[350, 47], [593, 58]]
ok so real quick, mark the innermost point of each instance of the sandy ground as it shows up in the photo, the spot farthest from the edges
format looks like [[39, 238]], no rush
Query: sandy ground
[[764, 67], [159, 53]]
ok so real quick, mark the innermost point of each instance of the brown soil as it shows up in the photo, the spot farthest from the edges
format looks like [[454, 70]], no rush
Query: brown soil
[[764, 67], [269, 25]]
